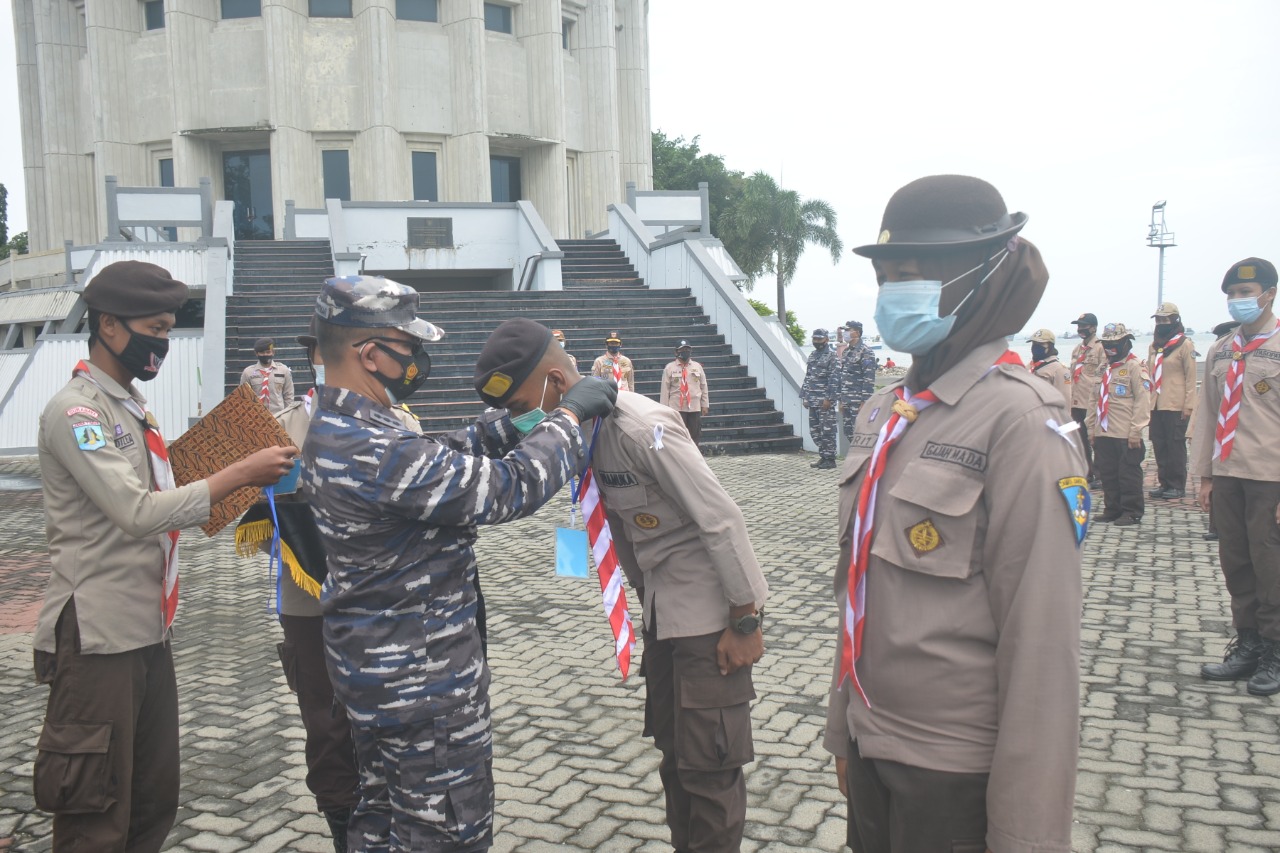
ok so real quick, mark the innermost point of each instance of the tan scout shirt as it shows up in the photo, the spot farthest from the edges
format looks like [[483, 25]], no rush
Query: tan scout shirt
[[603, 366], [699, 395], [1129, 408], [1253, 452], [680, 538], [1056, 374], [1084, 389], [104, 521], [971, 641], [1177, 378], [280, 390]]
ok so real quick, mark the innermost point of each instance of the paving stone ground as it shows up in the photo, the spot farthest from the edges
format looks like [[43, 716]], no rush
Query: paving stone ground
[[1167, 762]]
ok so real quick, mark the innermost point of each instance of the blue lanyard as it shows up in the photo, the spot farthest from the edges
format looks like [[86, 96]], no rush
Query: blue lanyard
[[277, 560], [575, 484]]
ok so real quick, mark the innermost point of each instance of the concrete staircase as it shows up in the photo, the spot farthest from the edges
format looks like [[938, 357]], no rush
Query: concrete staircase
[[276, 285]]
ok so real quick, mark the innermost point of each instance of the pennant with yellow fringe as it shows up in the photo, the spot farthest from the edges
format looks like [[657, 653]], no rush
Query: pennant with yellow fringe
[[300, 548]]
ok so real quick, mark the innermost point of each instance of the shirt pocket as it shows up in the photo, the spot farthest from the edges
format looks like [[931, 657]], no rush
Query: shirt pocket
[[645, 510], [1262, 377], [928, 522]]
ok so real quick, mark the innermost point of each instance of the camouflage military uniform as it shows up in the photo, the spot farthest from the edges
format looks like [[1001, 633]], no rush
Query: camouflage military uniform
[[822, 382], [857, 382], [398, 515]]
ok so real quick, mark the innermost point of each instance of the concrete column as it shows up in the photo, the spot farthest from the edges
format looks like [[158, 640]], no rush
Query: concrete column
[[295, 163], [380, 159], [30, 110], [189, 24], [465, 166], [634, 124], [598, 164], [543, 172]]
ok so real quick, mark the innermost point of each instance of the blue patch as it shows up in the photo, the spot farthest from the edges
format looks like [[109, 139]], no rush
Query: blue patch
[[1122, 390], [89, 435], [1075, 490]]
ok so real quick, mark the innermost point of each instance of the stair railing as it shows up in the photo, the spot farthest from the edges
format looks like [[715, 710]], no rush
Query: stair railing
[[527, 273]]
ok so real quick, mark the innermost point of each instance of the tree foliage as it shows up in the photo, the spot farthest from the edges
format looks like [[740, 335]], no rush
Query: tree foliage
[[680, 164], [794, 328]]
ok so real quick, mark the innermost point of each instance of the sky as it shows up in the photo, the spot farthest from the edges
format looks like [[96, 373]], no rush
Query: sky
[[1082, 114]]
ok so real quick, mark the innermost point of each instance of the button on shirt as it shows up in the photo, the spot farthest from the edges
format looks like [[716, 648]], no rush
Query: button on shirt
[[398, 512]]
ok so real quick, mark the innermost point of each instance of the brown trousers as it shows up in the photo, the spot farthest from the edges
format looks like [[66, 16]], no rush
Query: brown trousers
[[331, 755], [693, 423], [896, 808], [107, 759], [1244, 511], [700, 721]]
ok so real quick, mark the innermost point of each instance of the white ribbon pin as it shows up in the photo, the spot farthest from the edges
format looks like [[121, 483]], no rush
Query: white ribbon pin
[[657, 437]]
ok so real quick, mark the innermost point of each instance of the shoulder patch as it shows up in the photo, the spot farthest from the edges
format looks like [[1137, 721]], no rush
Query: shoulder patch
[[1075, 490], [88, 435], [83, 410]]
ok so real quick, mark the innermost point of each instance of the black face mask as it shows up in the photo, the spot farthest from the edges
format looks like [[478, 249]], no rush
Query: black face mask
[[264, 360], [142, 356], [819, 345], [417, 367], [683, 356], [1039, 352], [613, 350], [1118, 351]]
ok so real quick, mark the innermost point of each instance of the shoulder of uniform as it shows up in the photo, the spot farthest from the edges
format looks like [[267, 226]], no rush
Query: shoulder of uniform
[[1040, 390], [635, 415], [77, 397]]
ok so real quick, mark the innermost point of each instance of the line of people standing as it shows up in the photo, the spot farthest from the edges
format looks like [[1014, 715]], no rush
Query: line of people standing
[[837, 381]]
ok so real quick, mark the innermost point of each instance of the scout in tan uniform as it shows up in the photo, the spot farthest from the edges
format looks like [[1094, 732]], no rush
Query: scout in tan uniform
[[683, 544], [613, 363], [1172, 365], [107, 760], [1235, 457], [1045, 364], [954, 703], [1087, 363], [269, 379], [1120, 413], [684, 388], [559, 336]]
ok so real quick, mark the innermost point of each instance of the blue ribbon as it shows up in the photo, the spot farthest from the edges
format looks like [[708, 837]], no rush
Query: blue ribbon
[[277, 559]]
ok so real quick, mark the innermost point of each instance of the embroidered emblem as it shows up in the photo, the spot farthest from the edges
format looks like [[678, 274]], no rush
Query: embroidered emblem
[[618, 479], [1246, 273], [647, 522], [1122, 390], [88, 435], [884, 236], [82, 410], [119, 430], [497, 385], [924, 537], [966, 457], [1124, 371], [1262, 386], [124, 442], [1146, 384], [1075, 490], [875, 413]]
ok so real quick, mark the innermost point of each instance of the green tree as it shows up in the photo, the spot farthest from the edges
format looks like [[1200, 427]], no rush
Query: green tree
[[776, 226], [4, 214], [793, 326]]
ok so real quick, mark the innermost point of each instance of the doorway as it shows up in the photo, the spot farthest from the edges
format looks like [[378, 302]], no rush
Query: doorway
[[246, 180]]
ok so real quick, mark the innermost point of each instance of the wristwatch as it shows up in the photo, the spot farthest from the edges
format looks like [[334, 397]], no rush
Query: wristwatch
[[748, 624]]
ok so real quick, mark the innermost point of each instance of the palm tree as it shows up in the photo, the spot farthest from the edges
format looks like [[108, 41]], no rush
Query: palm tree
[[777, 225]]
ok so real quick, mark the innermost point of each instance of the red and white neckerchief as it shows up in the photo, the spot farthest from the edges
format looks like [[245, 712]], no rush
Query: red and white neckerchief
[[686, 397], [1233, 392], [617, 375], [308, 400], [1159, 365], [1036, 365], [162, 479], [1104, 392], [263, 395], [610, 571], [905, 411], [1078, 367]]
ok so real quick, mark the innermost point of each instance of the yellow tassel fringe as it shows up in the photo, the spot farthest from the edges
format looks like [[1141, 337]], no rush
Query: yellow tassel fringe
[[256, 535]]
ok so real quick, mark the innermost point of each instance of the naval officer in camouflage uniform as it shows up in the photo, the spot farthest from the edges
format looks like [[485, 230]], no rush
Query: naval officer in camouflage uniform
[[398, 513], [857, 375], [818, 394]]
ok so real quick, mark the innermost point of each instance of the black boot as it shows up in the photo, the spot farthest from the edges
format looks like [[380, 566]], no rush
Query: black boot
[[1266, 678], [1241, 658], [338, 820]]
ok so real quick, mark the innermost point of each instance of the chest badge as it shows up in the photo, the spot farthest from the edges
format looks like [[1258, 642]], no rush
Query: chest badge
[[924, 537], [1075, 490], [645, 521], [1262, 386], [1238, 355]]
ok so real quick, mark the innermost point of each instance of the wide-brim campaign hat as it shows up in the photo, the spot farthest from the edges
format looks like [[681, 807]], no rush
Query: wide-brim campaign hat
[[1043, 336], [1115, 332], [941, 213]]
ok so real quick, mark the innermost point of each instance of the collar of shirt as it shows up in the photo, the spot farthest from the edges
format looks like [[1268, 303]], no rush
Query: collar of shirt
[[112, 387], [345, 402], [956, 382]]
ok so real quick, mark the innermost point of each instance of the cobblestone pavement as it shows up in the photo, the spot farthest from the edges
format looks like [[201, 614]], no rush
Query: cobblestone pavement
[[1168, 762]]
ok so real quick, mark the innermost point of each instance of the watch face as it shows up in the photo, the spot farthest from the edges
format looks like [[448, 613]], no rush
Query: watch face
[[747, 624]]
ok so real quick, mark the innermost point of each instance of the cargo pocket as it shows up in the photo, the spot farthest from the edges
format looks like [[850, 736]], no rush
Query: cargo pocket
[[714, 728], [451, 798], [289, 663], [72, 770]]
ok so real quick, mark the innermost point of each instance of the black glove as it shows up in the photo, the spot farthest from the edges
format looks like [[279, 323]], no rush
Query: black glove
[[590, 397]]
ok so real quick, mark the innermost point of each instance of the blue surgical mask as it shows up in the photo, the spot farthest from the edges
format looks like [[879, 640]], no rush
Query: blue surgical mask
[[907, 312], [525, 423], [1244, 310]]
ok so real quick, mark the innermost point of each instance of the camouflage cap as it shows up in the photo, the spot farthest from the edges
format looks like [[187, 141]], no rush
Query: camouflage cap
[[820, 333], [853, 324], [373, 302], [1043, 336], [1115, 332]]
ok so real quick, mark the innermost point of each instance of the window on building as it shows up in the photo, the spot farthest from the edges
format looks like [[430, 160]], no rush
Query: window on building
[[424, 176], [498, 18], [337, 174], [166, 180], [504, 178], [329, 9], [241, 9], [566, 27], [418, 10], [153, 14]]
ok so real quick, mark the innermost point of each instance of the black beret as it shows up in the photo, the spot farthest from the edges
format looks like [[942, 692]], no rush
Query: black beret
[[263, 344], [1251, 271], [509, 356], [134, 289]]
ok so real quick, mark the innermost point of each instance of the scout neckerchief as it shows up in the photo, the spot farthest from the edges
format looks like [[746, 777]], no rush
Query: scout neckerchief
[[607, 565], [686, 397], [1104, 392], [1233, 391], [1036, 365], [162, 479], [906, 409], [265, 373], [1159, 365], [617, 373], [1078, 368]]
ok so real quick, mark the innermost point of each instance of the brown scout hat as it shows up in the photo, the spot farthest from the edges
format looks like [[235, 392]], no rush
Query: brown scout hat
[[942, 212], [134, 289]]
